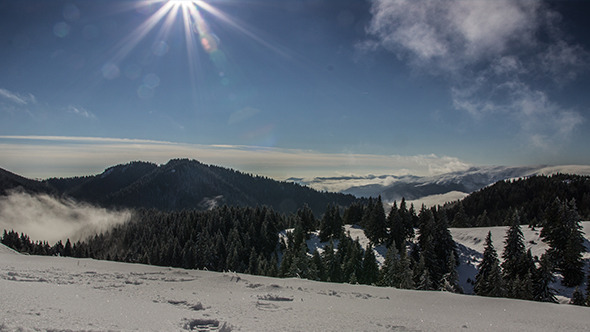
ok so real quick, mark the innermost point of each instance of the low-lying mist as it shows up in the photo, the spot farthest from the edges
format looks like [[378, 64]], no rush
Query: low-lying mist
[[47, 218]]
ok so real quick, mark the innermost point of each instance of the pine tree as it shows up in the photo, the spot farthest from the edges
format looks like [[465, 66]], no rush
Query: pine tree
[[513, 249], [444, 248], [404, 271], [306, 219], [422, 276], [542, 280], [450, 281], [407, 216], [388, 275], [375, 226], [562, 231], [331, 263], [488, 281], [370, 268], [331, 225], [396, 228], [577, 297], [460, 219], [317, 267], [68, 250], [514, 252]]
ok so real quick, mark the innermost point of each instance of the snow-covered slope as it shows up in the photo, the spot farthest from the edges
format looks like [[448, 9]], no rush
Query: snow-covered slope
[[56, 293], [470, 243]]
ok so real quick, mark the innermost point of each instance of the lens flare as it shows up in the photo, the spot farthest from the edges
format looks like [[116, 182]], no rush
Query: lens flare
[[199, 39]]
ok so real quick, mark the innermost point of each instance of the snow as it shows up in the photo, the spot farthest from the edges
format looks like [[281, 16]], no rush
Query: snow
[[470, 242], [470, 245], [59, 293], [439, 199]]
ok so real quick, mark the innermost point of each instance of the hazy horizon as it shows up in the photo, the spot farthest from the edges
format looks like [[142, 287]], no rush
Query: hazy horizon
[[296, 88]]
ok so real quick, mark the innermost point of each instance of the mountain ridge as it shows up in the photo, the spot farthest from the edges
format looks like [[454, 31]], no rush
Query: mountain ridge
[[179, 184]]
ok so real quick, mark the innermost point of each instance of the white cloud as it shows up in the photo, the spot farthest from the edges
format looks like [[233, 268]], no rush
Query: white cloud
[[47, 156], [564, 61], [451, 33], [81, 112], [17, 98], [492, 56], [46, 218]]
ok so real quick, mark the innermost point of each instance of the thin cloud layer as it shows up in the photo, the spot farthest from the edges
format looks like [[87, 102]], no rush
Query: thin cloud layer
[[17, 98], [39, 156], [499, 58]]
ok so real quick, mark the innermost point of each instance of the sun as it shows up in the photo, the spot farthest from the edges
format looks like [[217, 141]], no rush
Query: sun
[[199, 39]]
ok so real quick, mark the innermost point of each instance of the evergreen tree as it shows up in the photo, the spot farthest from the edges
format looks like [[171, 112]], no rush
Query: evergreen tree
[[353, 215], [253, 262], [375, 226], [388, 275], [460, 219], [331, 225], [68, 250], [300, 262], [404, 271], [306, 220], [422, 276], [370, 268], [488, 281], [513, 255], [444, 248], [450, 281], [331, 263], [407, 219], [396, 228], [542, 280], [318, 266], [562, 231], [577, 297]]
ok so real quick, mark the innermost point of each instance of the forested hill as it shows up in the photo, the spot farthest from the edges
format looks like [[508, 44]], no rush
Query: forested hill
[[179, 184], [492, 205]]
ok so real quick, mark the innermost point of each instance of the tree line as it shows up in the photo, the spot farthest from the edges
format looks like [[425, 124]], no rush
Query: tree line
[[493, 205], [420, 251]]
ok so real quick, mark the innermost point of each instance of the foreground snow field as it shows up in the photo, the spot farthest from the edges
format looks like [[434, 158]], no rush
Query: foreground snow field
[[56, 293]]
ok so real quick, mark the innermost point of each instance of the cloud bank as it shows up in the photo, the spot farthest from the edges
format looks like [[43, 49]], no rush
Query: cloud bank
[[58, 156], [501, 58], [46, 218]]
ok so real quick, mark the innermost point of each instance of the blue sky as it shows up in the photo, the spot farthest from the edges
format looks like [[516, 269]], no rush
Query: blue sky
[[293, 87]]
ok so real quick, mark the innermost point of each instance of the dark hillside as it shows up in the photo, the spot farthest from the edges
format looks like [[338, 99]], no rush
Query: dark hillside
[[531, 196], [180, 184]]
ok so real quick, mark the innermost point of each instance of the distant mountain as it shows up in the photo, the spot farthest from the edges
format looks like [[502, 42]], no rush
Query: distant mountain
[[411, 187], [179, 184]]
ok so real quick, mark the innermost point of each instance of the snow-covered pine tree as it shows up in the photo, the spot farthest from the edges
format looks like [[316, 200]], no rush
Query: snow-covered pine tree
[[405, 272], [513, 255], [488, 281], [388, 275], [450, 281]]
